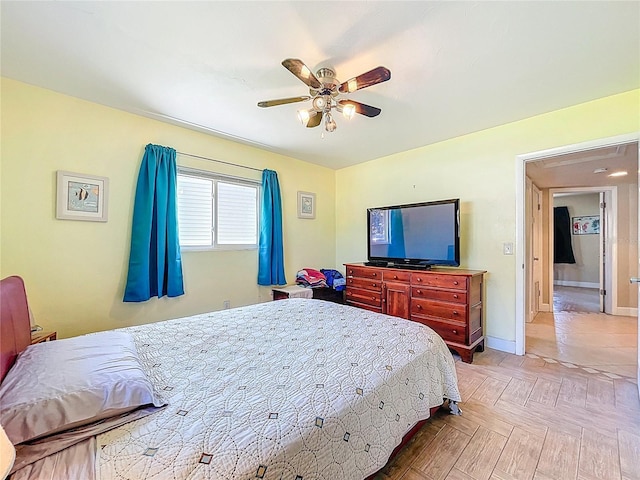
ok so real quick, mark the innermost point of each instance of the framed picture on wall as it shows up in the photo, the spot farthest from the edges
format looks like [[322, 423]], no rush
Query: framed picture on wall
[[587, 225], [306, 205], [81, 197]]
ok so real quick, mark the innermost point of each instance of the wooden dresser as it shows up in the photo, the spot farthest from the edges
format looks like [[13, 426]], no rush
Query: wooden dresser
[[447, 300]]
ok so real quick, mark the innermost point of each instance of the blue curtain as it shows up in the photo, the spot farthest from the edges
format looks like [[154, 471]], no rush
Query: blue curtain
[[270, 252], [155, 265], [396, 235]]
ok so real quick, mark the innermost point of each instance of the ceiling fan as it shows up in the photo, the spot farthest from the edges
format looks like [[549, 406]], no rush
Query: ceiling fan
[[325, 91]]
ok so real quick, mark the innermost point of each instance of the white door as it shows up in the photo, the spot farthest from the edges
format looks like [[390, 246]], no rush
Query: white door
[[603, 251], [536, 249], [637, 279]]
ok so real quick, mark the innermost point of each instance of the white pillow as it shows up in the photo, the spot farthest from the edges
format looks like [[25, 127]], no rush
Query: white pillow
[[63, 384]]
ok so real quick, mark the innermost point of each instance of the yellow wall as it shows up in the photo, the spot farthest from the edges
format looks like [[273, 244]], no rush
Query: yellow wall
[[480, 170], [75, 271]]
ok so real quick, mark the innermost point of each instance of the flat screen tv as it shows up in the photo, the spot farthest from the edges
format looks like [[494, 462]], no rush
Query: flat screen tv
[[416, 235]]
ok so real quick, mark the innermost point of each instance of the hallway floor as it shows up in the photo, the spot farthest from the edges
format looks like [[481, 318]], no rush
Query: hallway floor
[[576, 333]]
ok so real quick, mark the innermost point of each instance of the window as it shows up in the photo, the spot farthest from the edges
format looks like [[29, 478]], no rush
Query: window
[[216, 212], [380, 227]]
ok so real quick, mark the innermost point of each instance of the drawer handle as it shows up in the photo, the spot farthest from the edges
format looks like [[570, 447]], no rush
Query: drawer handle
[[373, 298], [455, 313], [419, 292], [375, 274], [455, 282], [350, 272], [419, 307], [373, 284], [455, 295], [395, 277], [419, 279], [455, 332]]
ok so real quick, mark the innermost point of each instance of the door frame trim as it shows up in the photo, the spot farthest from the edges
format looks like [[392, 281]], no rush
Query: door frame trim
[[520, 247]]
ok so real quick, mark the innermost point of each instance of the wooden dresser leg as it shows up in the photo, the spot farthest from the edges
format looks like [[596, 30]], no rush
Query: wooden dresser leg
[[466, 355]]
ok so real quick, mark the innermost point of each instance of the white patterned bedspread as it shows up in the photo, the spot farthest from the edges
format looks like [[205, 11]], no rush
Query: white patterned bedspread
[[293, 389]]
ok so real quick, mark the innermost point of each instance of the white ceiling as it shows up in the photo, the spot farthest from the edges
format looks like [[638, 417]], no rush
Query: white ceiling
[[591, 168], [457, 67]]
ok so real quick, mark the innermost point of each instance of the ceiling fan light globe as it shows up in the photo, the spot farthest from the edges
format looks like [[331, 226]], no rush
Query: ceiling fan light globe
[[352, 85], [304, 116], [348, 111]]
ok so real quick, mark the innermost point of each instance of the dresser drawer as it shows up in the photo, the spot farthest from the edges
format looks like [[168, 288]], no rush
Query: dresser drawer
[[443, 295], [365, 283], [450, 332], [364, 296], [454, 282], [364, 272], [364, 306], [396, 276], [449, 311]]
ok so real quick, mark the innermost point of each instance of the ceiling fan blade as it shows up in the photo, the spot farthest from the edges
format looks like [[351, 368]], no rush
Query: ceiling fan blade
[[362, 108], [300, 70], [315, 120], [283, 101], [367, 79]]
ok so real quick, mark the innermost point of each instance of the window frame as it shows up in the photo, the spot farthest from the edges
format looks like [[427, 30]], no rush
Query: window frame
[[215, 178]]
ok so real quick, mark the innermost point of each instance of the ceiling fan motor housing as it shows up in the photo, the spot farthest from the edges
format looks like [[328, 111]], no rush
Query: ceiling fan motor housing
[[324, 88], [327, 77]]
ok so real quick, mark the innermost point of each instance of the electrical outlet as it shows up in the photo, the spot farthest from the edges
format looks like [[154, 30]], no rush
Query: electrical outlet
[[226, 304], [507, 248]]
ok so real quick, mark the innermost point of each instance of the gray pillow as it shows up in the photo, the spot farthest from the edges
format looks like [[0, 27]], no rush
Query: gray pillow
[[63, 384]]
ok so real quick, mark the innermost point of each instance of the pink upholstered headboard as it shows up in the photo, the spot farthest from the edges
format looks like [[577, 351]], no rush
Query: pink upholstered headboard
[[15, 329]]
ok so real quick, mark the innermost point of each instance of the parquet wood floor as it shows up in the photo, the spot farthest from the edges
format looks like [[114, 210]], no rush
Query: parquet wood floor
[[525, 418]]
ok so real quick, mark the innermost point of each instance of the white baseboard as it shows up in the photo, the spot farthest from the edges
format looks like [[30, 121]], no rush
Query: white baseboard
[[571, 283], [508, 346], [627, 311], [545, 307]]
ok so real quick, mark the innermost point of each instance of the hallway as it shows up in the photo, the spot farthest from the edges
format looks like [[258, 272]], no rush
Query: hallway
[[577, 334]]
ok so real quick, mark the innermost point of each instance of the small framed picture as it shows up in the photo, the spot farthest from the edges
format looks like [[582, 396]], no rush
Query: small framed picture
[[587, 225], [81, 197], [306, 205]]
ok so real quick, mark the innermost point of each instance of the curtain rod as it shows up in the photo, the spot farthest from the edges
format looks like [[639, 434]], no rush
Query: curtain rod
[[219, 161]]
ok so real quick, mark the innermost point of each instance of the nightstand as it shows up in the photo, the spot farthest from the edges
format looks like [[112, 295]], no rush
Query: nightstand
[[38, 337]]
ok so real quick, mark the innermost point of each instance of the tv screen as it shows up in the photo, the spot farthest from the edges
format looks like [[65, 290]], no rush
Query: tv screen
[[422, 234]]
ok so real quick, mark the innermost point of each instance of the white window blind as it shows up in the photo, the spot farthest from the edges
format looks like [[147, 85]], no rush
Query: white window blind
[[216, 211], [195, 211], [237, 214]]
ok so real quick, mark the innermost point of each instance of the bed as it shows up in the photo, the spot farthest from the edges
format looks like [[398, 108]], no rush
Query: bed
[[296, 389]]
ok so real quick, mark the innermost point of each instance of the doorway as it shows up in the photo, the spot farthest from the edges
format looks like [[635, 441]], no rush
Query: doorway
[[583, 160], [590, 264]]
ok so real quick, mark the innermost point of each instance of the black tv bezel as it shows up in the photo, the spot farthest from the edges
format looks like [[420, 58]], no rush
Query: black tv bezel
[[417, 262]]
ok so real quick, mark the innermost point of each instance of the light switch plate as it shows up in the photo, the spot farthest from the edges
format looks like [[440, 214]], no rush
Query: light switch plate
[[507, 248]]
